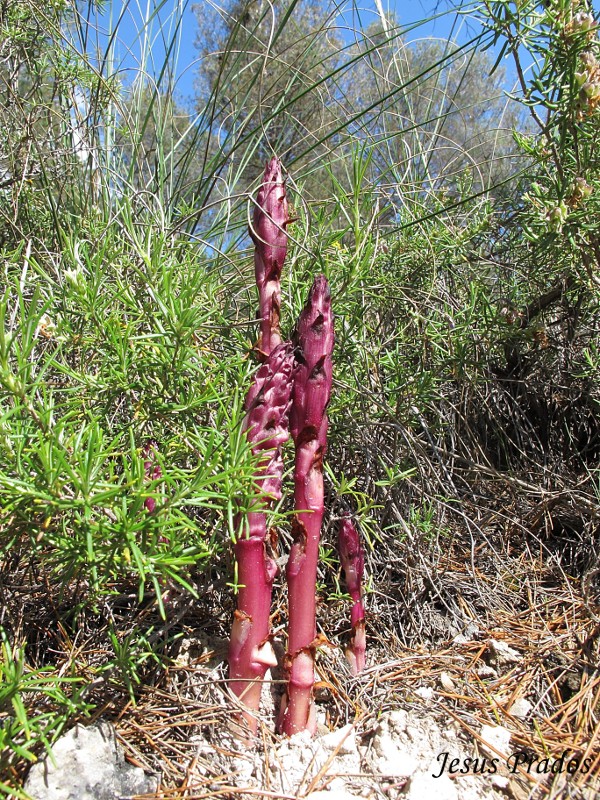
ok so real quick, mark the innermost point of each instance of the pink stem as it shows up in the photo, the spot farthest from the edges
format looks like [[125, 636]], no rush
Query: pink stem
[[250, 650], [308, 423], [266, 425], [353, 563]]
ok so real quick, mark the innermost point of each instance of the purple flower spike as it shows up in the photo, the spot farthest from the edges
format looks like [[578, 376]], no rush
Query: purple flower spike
[[268, 233]]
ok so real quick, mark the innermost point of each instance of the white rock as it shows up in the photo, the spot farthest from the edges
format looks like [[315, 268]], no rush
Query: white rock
[[344, 739], [298, 750], [501, 655], [496, 736], [321, 716], [426, 692], [89, 765], [396, 764], [460, 638], [423, 786], [485, 671], [242, 768], [299, 740], [406, 743], [397, 720], [520, 708], [391, 754]]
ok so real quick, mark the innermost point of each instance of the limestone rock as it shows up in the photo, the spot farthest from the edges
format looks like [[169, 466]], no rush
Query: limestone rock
[[423, 785], [496, 739], [89, 765], [521, 708], [343, 741], [502, 656]]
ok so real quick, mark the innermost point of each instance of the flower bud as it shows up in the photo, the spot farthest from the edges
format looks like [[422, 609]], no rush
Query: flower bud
[[558, 216]]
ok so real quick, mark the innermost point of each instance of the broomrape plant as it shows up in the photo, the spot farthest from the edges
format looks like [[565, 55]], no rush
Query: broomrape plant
[[292, 386], [266, 426], [308, 422], [353, 563]]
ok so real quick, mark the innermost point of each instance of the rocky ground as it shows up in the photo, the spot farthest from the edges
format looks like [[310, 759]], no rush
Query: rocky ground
[[402, 741]]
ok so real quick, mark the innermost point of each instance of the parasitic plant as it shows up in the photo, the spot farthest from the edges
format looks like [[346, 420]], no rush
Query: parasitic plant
[[353, 563], [314, 339], [268, 232], [152, 471], [266, 426]]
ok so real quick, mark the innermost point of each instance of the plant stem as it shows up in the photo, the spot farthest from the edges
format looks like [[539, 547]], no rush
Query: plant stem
[[308, 422], [266, 425], [353, 562]]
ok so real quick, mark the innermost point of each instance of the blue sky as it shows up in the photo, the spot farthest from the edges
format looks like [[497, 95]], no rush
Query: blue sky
[[129, 45]]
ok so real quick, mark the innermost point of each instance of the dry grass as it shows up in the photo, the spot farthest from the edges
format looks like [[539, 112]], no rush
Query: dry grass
[[556, 669]]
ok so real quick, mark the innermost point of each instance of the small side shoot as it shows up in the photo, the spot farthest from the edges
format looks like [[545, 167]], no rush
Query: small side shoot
[[152, 471], [353, 563]]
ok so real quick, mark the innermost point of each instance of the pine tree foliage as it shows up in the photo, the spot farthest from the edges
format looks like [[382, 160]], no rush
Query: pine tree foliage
[[436, 113], [270, 65]]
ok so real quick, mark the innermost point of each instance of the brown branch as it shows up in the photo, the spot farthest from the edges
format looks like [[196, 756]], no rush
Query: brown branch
[[541, 303]]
